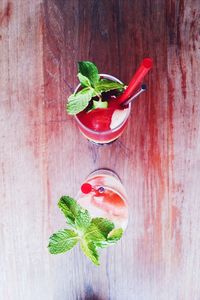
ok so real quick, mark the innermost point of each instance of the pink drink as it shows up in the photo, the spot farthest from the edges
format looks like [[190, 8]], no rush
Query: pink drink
[[111, 203], [118, 121]]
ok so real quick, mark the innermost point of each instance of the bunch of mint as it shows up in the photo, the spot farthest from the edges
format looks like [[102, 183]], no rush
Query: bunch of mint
[[90, 233], [92, 86]]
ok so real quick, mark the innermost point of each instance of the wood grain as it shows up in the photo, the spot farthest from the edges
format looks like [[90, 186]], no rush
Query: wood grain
[[43, 156]]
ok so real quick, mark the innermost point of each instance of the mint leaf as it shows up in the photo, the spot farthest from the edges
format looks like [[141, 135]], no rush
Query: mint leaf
[[70, 208], [93, 234], [90, 251], [79, 101], [100, 104], [62, 241], [89, 70], [104, 225], [74, 213], [112, 238], [83, 220], [115, 235], [83, 80], [105, 85]]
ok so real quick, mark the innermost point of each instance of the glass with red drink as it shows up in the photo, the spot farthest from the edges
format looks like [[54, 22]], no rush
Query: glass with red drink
[[101, 103], [116, 118]]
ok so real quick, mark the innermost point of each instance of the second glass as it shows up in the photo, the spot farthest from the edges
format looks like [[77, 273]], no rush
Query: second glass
[[107, 199]]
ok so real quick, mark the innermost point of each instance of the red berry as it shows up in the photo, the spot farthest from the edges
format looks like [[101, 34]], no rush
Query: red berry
[[86, 188]]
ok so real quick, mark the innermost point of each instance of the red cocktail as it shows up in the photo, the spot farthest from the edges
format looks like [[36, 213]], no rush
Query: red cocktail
[[101, 103], [104, 125]]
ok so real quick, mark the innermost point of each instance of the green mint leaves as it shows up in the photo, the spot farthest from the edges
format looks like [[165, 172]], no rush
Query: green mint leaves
[[89, 70], [105, 85], [78, 102], [92, 86], [91, 233], [89, 249], [62, 241], [70, 209], [85, 82]]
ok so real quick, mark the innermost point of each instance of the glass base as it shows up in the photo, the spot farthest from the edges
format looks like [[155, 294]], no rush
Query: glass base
[[103, 144]]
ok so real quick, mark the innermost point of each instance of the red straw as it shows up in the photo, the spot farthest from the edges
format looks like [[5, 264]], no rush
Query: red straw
[[144, 68]]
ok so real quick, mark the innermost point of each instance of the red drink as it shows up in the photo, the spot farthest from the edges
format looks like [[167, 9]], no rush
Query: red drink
[[111, 203], [94, 125]]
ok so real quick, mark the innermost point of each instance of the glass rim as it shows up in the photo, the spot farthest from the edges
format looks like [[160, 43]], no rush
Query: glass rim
[[104, 171], [107, 76]]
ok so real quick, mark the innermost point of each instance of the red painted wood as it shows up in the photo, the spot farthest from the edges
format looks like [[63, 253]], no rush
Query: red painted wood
[[43, 156]]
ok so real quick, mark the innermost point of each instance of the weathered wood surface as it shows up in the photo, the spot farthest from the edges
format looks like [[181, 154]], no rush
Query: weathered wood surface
[[43, 156]]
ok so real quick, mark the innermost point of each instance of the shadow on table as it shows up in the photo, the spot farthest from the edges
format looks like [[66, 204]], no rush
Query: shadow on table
[[93, 297], [90, 294]]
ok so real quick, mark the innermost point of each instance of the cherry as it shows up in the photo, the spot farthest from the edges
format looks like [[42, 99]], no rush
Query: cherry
[[86, 188]]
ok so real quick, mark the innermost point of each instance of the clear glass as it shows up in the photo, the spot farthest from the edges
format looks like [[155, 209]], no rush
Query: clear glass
[[108, 136], [110, 204]]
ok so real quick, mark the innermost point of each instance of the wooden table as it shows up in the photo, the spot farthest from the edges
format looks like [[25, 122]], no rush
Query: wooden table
[[43, 156]]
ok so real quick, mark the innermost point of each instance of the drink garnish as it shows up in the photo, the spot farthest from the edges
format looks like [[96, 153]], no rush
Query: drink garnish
[[86, 188], [118, 116], [92, 88], [91, 233], [101, 189]]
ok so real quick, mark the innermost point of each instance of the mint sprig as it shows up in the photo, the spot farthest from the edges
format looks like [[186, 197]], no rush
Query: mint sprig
[[89, 70], [90, 250], [92, 86], [91, 233], [84, 80], [62, 241], [105, 85], [78, 102], [70, 209]]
